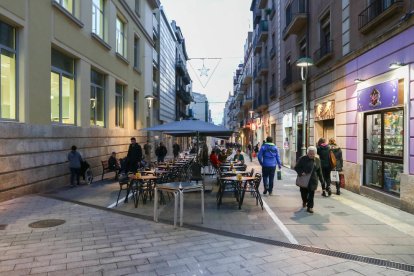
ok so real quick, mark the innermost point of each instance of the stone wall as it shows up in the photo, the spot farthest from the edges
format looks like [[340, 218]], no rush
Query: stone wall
[[407, 192], [33, 158], [352, 173]]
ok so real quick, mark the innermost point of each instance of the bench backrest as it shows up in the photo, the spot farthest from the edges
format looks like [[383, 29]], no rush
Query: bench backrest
[[105, 164]]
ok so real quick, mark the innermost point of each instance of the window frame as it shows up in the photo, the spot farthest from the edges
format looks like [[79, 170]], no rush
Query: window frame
[[122, 34], [136, 52], [96, 86], [102, 12], [16, 70], [66, 74], [120, 114], [138, 7], [61, 3]]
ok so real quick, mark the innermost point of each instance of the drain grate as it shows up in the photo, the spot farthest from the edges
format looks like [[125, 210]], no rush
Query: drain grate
[[46, 223], [3, 226]]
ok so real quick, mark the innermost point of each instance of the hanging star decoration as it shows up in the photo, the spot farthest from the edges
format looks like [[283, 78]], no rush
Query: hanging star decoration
[[204, 70]]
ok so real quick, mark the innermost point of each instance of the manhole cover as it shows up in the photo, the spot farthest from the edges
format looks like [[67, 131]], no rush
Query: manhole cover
[[340, 213], [3, 226], [46, 223]]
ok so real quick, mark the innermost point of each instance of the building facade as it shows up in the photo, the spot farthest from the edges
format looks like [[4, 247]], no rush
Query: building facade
[[72, 73], [199, 107], [358, 83]]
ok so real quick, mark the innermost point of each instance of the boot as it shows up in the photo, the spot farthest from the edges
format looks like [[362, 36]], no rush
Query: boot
[[324, 193], [338, 189], [309, 210]]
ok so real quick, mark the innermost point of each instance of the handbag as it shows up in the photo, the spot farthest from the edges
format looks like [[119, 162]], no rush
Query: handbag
[[303, 180], [334, 176], [279, 175]]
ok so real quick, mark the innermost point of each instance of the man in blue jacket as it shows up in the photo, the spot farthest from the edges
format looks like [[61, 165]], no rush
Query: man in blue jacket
[[268, 158]]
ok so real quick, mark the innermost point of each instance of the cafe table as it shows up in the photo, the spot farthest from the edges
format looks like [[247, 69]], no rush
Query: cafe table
[[178, 189], [139, 182], [241, 188]]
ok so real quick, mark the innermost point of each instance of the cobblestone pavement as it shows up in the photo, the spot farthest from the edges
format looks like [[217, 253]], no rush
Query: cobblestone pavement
[[99, 242]]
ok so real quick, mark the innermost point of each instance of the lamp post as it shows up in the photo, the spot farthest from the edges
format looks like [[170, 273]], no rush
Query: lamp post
[[251, 112], [304, 63], [149, 99]]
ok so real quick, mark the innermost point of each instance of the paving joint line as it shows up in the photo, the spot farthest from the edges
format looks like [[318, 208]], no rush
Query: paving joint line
[[316, 250]]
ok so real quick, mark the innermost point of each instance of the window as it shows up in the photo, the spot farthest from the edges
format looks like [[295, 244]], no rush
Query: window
[[137, 6], [136, 109], [119, 105], [8, 102], [97, 99], [67, 4], [98, 18], [325, 31], [136, 52], [302, 48], [62, 89], [120, 37]]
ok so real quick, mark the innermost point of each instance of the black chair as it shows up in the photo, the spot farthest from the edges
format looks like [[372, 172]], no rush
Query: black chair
[[123, 185]]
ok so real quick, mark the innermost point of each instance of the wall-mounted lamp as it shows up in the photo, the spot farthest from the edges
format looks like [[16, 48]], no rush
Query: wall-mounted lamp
[[396, 65], [358, 80]]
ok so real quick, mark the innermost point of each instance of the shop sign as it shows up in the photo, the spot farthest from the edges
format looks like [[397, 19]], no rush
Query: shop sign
[[325, 111], [383, 95], [287, 120]]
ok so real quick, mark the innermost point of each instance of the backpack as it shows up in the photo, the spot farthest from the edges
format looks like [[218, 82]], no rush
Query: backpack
[[332, 160]]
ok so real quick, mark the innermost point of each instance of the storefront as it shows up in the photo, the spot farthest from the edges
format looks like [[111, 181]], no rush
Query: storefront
[[324, 120], [383, 150], [287, 138]]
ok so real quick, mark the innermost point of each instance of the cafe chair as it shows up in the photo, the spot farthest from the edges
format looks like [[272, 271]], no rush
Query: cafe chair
[[123, 181]]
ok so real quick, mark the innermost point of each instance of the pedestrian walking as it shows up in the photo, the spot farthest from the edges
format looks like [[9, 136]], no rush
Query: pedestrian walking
[[134, 155], [309, 164], [161, 152], [268, 158], [323, 152], [249, 151], [339, 161], [176, 150], [75, 159]]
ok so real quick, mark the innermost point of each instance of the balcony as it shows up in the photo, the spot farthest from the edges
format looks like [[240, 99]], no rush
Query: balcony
[[292, 81], [186, 78], [263, 66], [377, 12], [247, 77], [296, 18], [155, 62], [257, 15], [324, 53], [184, 95], [272, 93], [262, 4], [248, 99], [180, 66], [272, 52], [263, 30], [257, 45]]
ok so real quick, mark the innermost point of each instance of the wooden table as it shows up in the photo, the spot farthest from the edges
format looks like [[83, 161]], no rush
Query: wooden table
[[241, 189]]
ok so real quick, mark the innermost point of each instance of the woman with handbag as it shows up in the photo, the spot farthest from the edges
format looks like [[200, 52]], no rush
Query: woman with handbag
[[309, 170]]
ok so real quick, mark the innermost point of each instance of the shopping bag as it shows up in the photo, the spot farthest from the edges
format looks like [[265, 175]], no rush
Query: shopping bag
[[342, 180], [279, 175], [335, 176], [303, 181], [254, 154]]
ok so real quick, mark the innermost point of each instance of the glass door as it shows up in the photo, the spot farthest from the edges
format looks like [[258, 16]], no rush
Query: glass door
[[383, 149]]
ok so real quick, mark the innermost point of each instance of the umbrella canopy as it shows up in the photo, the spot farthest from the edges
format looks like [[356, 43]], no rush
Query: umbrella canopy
[[191, 127]]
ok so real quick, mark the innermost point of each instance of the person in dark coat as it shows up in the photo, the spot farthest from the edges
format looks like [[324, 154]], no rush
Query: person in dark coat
[[176, 150], [339, 160], [161, 152], [75, 159], [134, 155], [309, 164], [323, 152]]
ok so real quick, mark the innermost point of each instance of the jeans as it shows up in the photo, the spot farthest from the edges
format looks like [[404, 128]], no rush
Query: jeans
[[268, 176], [326, 171], [74, 172], [307, 196], [160, 158]]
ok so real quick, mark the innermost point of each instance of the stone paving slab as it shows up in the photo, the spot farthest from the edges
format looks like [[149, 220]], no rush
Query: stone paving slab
[[130, 245]]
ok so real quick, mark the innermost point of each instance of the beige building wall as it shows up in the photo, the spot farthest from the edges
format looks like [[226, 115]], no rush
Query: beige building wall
[[33, 151]]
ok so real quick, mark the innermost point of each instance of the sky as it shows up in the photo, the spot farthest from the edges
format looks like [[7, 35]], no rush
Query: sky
[[212, 29]]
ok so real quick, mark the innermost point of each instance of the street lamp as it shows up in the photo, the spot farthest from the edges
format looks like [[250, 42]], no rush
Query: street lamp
[[149, 99], [304, 63], [251, 112]]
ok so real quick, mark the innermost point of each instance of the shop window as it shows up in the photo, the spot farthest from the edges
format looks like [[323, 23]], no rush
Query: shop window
[[97, 105], [383, 149], [62, 92], [119, 105], [8, 99], [98, 18]]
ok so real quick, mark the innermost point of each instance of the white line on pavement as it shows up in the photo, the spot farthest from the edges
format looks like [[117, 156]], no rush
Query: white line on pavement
[[280, 224], [121, 200]]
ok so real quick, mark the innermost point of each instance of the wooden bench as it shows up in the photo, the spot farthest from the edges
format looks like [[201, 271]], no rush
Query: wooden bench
[[106, 169]]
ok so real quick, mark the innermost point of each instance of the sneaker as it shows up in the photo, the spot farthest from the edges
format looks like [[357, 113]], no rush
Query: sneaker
[[265, 192], [329, 192], [324, 194], [309, 210]]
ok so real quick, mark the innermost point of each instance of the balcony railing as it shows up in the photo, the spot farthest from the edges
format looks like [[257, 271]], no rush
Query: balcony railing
[[296, 17], [257, 45], [376, 12], [292, 76], [179, 65], [263, 66], [263, 30], [257, 15], [323, 53], [272, 52]]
